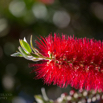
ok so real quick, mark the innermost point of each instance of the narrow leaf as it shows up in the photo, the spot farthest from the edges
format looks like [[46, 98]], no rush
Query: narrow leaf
[[18, 54], [25, 46], [32, 44], [34, 55], [34, 49], [22, 50], [24, 54]]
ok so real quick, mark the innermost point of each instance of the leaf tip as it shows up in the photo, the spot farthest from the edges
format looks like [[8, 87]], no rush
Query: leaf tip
[[25, 39]]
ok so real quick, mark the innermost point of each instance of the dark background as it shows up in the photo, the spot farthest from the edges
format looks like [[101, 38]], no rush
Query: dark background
[[22, 18]]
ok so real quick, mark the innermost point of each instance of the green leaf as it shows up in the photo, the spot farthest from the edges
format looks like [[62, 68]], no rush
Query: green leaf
[[32, 44], [22, 51], [34, 55], [25, 46], [18, 54], [24, 54], [34, 49]]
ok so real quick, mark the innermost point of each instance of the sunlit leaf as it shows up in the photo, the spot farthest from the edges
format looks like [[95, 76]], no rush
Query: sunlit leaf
[[25, 46]]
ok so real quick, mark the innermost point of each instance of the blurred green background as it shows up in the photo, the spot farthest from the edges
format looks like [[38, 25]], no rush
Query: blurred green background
[[22, 18]]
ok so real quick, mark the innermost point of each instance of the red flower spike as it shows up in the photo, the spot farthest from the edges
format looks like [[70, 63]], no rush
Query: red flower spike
[[75, 62]]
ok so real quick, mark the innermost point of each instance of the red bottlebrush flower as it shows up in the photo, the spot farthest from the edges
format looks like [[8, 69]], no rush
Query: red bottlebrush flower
[[75, 62]]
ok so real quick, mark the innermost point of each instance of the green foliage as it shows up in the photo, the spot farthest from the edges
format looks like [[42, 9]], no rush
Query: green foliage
[[25, 50], [25, 46], [18, 54]]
